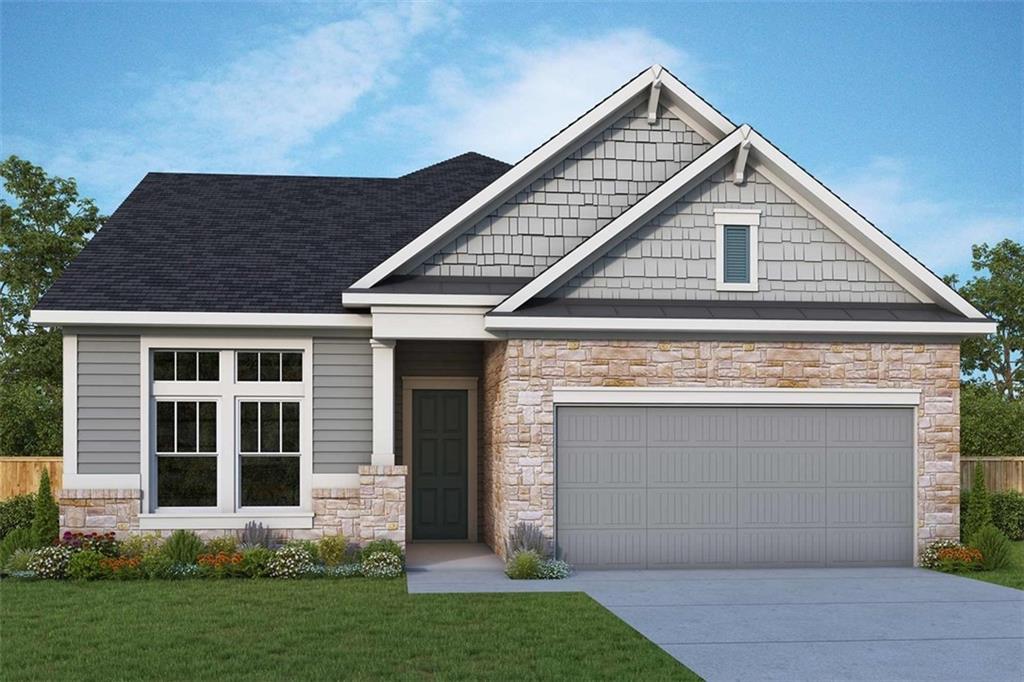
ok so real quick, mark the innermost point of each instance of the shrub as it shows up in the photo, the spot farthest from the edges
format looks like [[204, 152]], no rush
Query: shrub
[[527, 537], [183, 572], [226, 544], [19, 538], [46, 522], [255, 535], [155, 564], [85, 565], [384, 546], [950, 556], [994, 547], [989, 423], [123, 567], [183, 547], [17, 512], [979, 509], [523, 565], [343, 571], [333, 550], [104, 543], [20, 560], [290, 562], [382, 565], [1008, 513], [141, 545], [929, 557], [51, 562], [221, 565], [308, 545], [256, 561], [553, 569]]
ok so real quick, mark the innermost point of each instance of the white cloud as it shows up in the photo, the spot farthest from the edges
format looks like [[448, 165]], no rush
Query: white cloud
[[939, 232], [526, 94]]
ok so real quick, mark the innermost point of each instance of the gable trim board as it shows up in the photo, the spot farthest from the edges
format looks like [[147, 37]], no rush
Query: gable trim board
[[678, 99], [817, 199]]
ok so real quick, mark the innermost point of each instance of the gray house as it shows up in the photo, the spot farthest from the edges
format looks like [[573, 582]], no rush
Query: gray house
[[656, 336]]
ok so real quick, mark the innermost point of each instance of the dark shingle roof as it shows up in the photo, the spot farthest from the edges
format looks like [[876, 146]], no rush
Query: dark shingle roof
[[257, 243]]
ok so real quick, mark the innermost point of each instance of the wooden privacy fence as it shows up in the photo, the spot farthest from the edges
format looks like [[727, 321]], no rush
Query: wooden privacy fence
[[1001, 473], [19, 475]]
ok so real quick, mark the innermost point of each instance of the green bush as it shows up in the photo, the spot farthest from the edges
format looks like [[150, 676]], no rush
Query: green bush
[[382, 565], [978, 512], [290, 561], [19, 538], [85, 565], [1008, 513], [183, 547], [994, 547], [226, 544], [989, 423], [155, 564], [17, 512], [256, 561], [553, 569], [385, 546], [141, 545], [523, 565], [51, 562], [309, 546], [46, 523], [333, 550], [20, 561]]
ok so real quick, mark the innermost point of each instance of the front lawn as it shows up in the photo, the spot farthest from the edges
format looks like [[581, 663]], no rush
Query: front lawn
[[1011, 576], [311, 629]]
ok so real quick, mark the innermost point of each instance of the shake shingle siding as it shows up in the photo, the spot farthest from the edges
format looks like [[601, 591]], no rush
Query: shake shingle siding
[[108, 405], [342, 405]]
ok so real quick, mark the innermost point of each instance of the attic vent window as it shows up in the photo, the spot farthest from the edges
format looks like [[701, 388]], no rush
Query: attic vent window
[[736, 249]]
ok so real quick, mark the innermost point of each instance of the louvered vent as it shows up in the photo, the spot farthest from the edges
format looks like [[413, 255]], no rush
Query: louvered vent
[[737, 254]]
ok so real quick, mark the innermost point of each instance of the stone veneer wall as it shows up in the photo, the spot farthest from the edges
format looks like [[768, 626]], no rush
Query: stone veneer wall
[[374, 510], [520, 375]]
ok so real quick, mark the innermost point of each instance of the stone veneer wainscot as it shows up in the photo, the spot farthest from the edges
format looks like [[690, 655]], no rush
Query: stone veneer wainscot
[[519, 376]]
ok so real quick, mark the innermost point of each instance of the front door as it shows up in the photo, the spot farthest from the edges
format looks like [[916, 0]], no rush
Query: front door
[[440, 462]]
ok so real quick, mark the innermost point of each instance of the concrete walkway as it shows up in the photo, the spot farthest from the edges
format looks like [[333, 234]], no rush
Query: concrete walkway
[[792, 624]]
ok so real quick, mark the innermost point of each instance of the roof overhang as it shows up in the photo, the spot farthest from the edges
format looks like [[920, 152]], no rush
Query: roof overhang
[[203, 319]]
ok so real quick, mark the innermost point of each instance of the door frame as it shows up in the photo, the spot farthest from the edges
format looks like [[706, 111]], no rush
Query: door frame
[[469, 385]]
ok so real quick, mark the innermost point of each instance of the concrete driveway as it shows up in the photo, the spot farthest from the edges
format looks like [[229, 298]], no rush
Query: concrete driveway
[[796, 624]]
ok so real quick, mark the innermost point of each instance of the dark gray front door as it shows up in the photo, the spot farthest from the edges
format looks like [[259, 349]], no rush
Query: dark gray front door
[[440, 460]]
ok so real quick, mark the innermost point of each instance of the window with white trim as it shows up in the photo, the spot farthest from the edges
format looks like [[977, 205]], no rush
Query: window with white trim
[[736, 249], [186, 365], [186, 453], [269, 366], [268, 453]]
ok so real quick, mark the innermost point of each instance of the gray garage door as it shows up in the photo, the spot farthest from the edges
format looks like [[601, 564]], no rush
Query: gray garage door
[[691, 487]]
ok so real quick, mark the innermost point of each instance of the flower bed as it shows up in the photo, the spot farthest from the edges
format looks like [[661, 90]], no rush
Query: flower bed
[[184, 555]]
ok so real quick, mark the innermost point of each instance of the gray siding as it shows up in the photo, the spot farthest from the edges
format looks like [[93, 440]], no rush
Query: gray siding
[[572, 200], [108, 405], [342, 405], [673, 257]]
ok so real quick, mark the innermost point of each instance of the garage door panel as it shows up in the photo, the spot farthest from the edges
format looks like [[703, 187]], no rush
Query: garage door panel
[[775, 427], [868, 427], [621, 426], [675, 426], [871, 546], [893, 507], [602, 508], [706, 548], [870, 466], [689, 466], [781, 466], [601, 466], [781, 547], [603, 548], [691, 508], [768, 507]]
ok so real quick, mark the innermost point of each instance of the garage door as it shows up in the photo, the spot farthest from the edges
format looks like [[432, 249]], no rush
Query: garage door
[[701, 487]]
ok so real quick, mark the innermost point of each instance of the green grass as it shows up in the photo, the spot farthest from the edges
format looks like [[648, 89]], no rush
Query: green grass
[[1011, 576], [324, 629]]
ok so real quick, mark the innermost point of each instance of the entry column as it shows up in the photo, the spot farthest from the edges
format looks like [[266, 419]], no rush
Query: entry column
[[383, 401]]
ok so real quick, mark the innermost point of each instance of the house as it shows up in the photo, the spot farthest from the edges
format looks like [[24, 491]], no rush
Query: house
[[657, 337]]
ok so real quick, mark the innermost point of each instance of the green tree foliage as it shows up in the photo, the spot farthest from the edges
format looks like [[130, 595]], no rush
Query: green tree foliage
[[999, 293], [41, 231], [990, 425], [46, 524], [979, 508]]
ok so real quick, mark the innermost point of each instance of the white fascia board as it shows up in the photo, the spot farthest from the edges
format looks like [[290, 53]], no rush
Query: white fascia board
[[628, 221], [369, 298], [169, 520], [183, 319], [335, 481], [609, 395], [877, 244], [685, 104], [626, 324], [405, 322]]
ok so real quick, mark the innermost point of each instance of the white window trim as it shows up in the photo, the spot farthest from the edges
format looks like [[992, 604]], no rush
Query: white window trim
[[262, 509], [227, 391], [741, 217]]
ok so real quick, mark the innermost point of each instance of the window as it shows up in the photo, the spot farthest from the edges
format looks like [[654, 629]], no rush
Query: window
[[186, 365], [186, 453], [268, 444], [269, 366], [736, 249]]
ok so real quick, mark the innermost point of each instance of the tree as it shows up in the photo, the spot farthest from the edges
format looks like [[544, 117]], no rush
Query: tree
[[46, 523], [979, 508], [1000, 295], [40, 234]]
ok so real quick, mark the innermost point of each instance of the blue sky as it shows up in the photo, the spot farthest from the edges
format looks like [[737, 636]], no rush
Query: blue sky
[[912, 112]]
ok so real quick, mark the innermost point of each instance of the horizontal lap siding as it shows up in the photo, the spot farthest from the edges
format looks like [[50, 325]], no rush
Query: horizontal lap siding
[[342, 405], [108, 405]]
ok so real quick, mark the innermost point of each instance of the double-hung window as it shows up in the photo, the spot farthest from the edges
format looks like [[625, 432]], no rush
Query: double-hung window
[[736, 249], [186, 453]]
